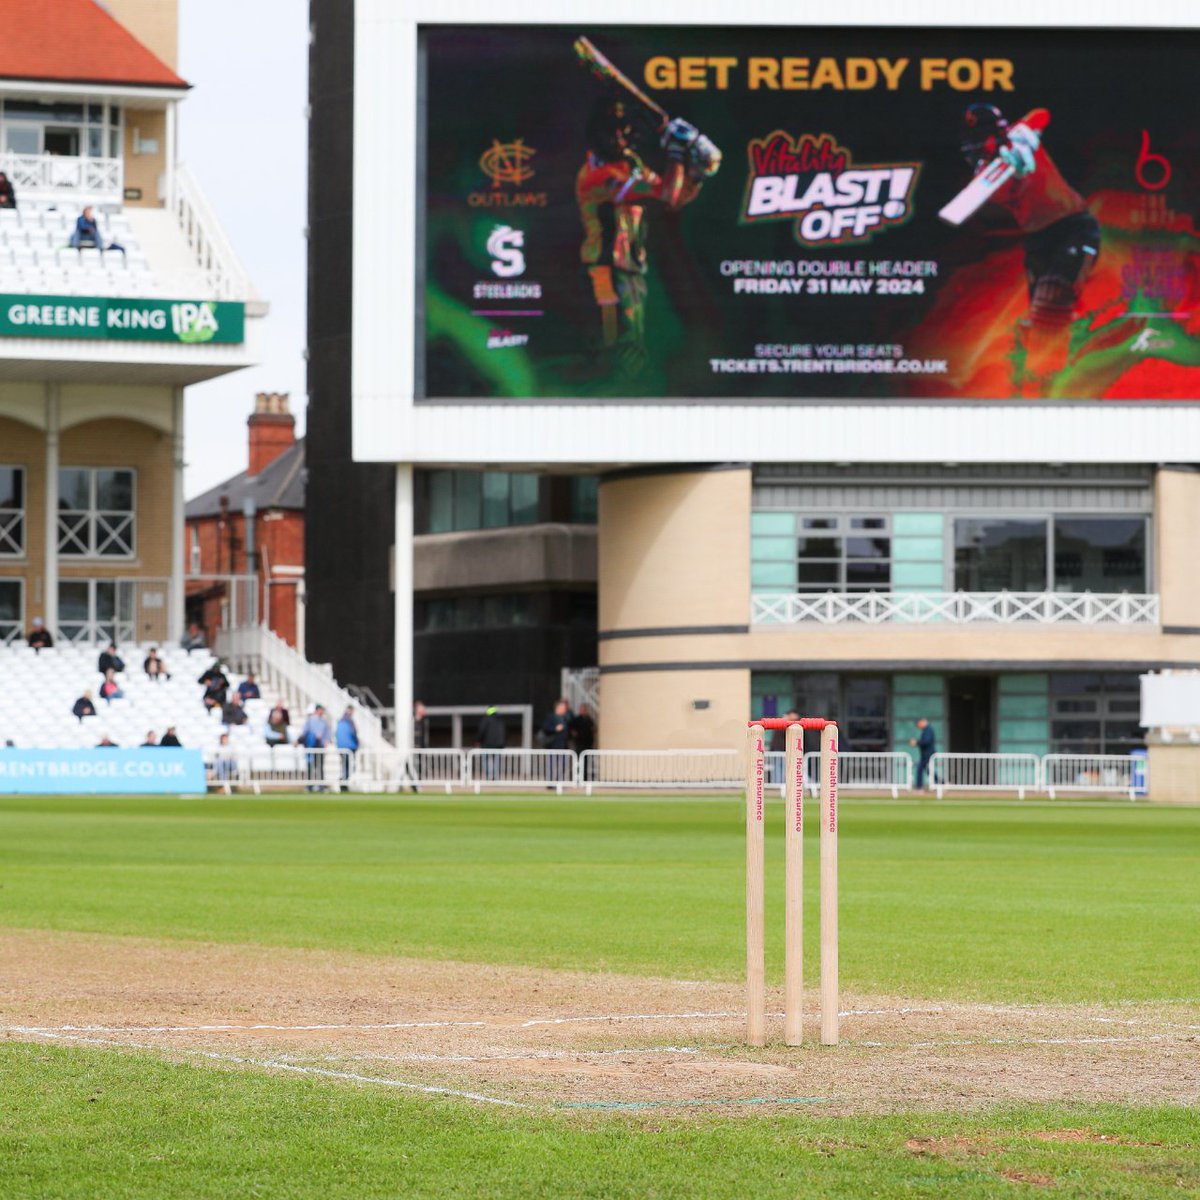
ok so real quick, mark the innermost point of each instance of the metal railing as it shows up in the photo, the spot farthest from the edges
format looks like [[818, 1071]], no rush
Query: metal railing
[[57, 174], [291, 675], [556, 769], [581, 685], [1103, 774], [955, 608], [650, 769], [225, 276], [985, 773], [382, 769]]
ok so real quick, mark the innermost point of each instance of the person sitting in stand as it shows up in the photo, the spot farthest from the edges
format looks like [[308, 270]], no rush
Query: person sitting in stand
[[278, 720], [106, 743], [216, 687], [224, 764], [194, 639], [8, 193], [170, 738], [151, 740], [110, 689], [154, 666], [84, 707], [110, 660], [232, 712], [87, 233], [39, 636], [248, 689]]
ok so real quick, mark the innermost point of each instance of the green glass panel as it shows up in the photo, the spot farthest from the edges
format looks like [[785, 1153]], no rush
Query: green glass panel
[[780, 573], [917, 549], [930, 576], [927, 524], [773, 523], [773, 547]]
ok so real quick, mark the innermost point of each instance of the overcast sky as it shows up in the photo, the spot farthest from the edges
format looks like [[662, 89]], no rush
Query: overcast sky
[[244, 136]]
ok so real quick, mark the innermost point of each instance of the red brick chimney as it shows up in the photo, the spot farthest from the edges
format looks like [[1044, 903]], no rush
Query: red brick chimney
[[272, 429]]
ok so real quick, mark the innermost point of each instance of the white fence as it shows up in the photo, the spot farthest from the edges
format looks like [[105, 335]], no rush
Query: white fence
[[56, 174], [205, 236], [985, 773], [388, 770], [956, 608]]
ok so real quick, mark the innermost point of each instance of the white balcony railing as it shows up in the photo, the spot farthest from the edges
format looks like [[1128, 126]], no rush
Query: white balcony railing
[[45, 175], [225, 277], [955, 608]]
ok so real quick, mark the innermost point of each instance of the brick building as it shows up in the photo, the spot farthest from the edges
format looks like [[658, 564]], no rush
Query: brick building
[[252, 525]]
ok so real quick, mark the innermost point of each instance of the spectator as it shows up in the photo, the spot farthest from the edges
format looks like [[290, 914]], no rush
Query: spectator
[[194, 639], [225, 761], [87, 233], [39, 636], [110, 689], [8, 193], [926, 744], [420, 726], [110, 660], [248, 689], [556, 735], [582, 731], [346, 736], [232, 712], [84, 707], [315, 737], [170, 739], [106, 743], [216, 687], [154, 666], [492, 735], [151, 740], [278, 720]]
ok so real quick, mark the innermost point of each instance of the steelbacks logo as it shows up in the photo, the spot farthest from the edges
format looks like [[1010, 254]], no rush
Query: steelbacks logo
[[814, 182]]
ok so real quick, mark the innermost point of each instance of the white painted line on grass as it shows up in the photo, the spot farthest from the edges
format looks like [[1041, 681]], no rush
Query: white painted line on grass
[[274, 1065]]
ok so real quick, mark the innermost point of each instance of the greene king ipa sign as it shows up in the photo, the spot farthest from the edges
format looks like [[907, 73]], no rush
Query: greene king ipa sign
[[122, 319], [769, 214]]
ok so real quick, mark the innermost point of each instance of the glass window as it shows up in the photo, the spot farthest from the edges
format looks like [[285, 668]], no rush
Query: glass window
[[96, 512], [23, 139], [1100, 554], [468, 500], [12, 511], [866, 725], [525, 491], [12, 616], [495, 499], [585, 491], [830, 553], [996, 555], [1091, 713], [441, 502]]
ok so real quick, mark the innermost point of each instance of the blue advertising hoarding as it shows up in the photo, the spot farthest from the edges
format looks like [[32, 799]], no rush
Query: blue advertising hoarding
[[114, 771]]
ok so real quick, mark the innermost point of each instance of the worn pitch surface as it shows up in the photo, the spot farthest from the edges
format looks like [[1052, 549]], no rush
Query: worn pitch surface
[[564, 1039]]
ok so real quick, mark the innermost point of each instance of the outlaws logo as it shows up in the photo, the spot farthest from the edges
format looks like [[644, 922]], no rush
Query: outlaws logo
[[810, 180]]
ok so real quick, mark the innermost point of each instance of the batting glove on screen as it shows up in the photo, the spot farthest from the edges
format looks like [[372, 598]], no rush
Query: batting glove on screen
[[1021, 151], [678, 137]]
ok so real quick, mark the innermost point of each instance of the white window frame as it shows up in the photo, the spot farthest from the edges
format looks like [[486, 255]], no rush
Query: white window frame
[[92, 516], [15, 516], [14, 631]]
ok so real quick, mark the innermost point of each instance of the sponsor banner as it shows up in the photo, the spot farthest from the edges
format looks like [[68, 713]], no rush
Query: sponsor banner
[[776, 214], [111, 771], [113, 318]]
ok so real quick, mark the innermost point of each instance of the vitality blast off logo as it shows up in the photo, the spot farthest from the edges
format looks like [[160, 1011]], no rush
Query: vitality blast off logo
[[811, 180]]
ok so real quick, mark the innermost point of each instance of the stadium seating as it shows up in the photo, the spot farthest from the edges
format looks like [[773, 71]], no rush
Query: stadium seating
[[35, 258], [40, 689]]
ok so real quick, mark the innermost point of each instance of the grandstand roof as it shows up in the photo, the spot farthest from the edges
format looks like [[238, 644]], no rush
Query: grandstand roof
[[279, 485], [75, 41]]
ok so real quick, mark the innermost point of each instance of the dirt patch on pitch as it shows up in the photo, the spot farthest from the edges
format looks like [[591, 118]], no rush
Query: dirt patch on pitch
[[577, 1041]]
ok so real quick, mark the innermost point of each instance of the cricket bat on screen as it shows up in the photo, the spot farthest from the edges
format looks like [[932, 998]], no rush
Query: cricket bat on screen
[[992, 178], [606, 72]]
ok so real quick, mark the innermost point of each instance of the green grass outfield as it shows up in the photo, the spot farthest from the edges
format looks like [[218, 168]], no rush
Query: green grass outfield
[[973, 900]]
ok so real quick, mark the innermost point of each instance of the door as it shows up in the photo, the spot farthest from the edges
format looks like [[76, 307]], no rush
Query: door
[[969, 708], [95, 611]]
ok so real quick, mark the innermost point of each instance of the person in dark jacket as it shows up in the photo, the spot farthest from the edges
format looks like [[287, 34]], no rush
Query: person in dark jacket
[[170, 738], [110, 660], [87, 233], [8, 193], [556, 735], [39, 636], [84, 707], [232, 712], [491, 736], [582, 731], [926, 744], [216, 687]]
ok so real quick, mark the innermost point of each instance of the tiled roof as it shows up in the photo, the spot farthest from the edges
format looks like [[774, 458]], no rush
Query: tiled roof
[[279, 485], [75, 41]]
